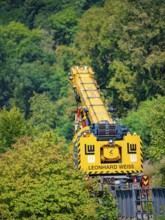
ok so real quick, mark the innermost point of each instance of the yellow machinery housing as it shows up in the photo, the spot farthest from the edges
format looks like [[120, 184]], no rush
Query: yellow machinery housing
[[101, 146]]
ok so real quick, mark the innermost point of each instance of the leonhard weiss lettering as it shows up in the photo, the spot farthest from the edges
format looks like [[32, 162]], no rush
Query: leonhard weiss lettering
[[109, 167]]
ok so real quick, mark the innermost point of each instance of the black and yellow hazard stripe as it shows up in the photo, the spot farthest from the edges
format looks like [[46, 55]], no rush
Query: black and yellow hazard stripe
[[79, 156], [145, 181], [115, 172]]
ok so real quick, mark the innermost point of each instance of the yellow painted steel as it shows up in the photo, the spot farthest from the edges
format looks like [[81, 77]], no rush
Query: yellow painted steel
[[86, 87], [124, 157], [100, 156]]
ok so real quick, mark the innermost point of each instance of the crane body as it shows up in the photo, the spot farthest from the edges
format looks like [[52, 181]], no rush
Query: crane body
[[101, 146]]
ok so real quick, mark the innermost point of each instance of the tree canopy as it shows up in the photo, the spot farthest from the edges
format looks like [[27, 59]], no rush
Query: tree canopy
[[149, 122], [38, 181], [125, 37]]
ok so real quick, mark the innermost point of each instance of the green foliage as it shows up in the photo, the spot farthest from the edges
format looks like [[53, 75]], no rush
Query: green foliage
[[122, 84], [156, 171], [87, 39], [137, 121], [35, 77], [39, 182], [47, 115], [64, 25], [123, 41], [26, 67], [161, 217], [149, 122], [64, 124], [107, 209], [11, 11], [122, 32], [157, 129], [36, 13], [12, 126], [43, 114], [67, 57], [19, 45]]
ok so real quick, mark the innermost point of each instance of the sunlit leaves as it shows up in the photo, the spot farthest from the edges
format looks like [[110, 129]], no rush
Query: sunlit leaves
[[43, 114], [157, 125], [149, 122], [107, 208], [39, 181], [87, 39], [122, 83]]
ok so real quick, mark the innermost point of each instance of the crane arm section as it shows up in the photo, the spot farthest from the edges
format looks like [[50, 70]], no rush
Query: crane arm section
[[88, 92]]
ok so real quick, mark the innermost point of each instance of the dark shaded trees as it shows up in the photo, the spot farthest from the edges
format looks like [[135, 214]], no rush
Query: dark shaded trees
[[12, 126], [26, 67]]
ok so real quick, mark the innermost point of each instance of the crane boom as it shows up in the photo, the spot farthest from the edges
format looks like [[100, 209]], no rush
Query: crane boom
[[87, 89]]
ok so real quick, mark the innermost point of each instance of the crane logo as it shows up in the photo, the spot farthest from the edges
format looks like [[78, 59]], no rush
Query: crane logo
[[131, 148], [89, 149]]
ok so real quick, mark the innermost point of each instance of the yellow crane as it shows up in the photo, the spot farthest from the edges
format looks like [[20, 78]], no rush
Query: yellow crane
[[101, 146]]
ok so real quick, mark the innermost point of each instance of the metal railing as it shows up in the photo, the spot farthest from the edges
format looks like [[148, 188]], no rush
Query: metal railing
[[141, 204]]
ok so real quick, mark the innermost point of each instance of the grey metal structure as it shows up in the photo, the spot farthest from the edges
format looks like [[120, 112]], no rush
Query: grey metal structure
[[158, 196], [125, 200], [141, 204]]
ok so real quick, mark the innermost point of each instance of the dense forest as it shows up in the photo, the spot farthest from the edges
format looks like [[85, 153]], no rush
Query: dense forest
[[40, 40]]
